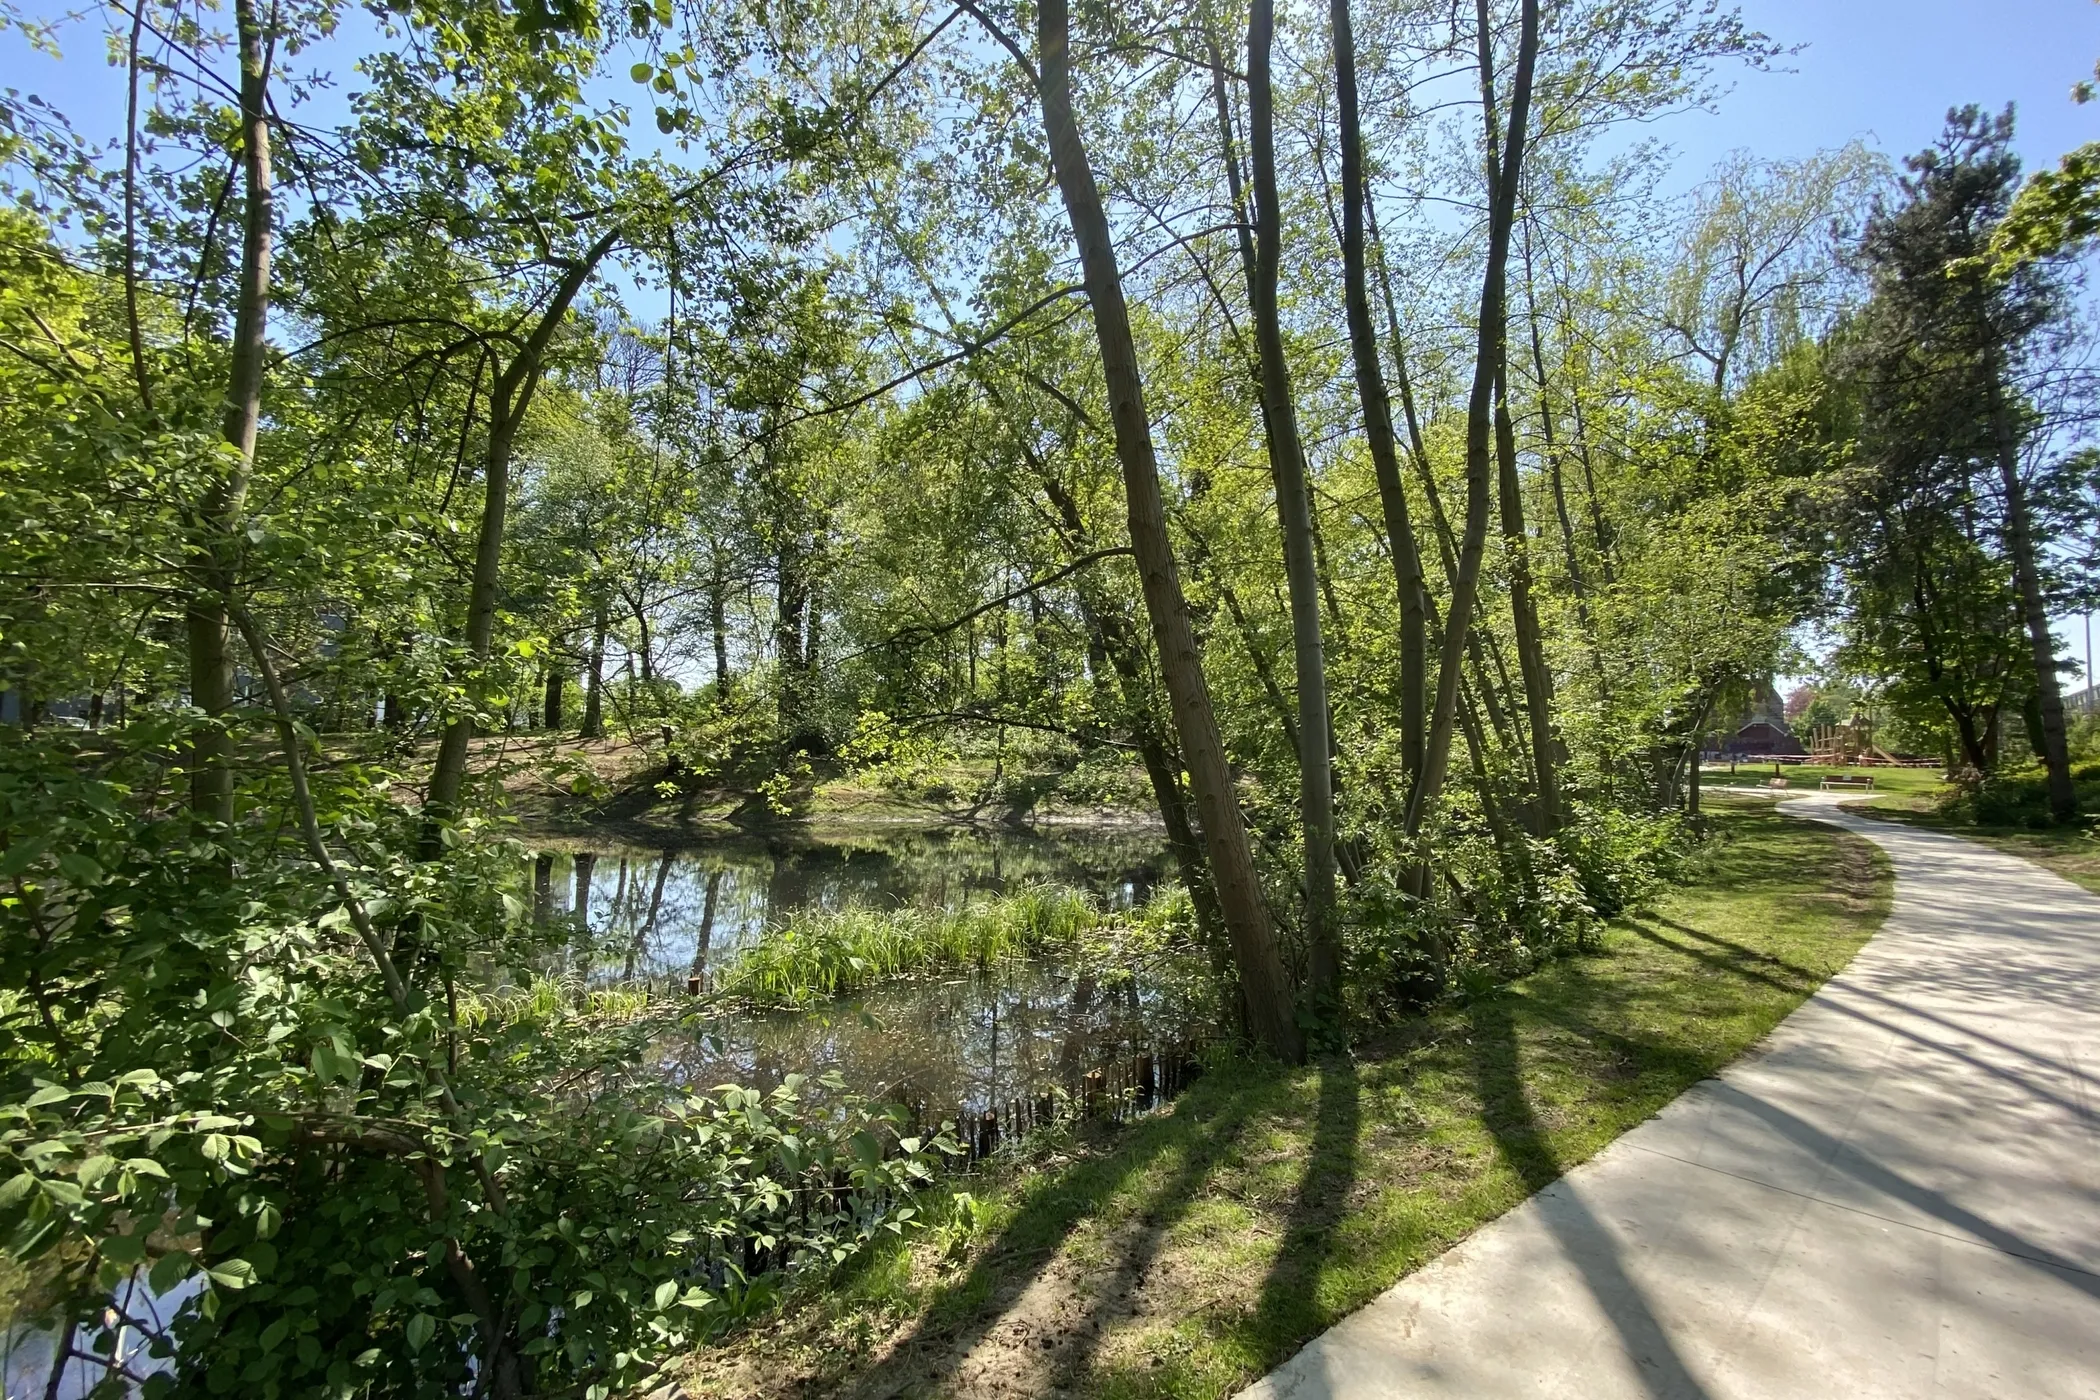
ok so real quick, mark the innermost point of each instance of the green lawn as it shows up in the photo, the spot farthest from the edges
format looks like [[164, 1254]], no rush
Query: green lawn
[[1188, 1253], [1891, 785]]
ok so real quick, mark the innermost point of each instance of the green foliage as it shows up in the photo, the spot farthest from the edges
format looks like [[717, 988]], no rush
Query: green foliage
[[207, 1080], [2012, 797], [820, 954]]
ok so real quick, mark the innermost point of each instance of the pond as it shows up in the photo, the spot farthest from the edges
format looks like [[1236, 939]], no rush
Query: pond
[[947, 1046]]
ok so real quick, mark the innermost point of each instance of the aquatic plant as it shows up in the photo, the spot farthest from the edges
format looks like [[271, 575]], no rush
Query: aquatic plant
[[820, 954]]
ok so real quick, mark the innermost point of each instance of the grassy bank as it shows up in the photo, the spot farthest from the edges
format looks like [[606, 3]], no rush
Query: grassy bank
[[1186, 1254]]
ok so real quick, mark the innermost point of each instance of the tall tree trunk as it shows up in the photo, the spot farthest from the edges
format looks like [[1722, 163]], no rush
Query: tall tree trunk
[[550, 709], [1377, 406], [1260, 966], [1531, 644], [645, 653], [2019, 538], [1492, 334], [791, 604], [594, 680], [218, 515], [718, 622], [509, 397], [1294, 515]]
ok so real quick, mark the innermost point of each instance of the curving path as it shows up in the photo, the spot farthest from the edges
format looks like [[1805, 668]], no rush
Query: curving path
[[1897, 1194]]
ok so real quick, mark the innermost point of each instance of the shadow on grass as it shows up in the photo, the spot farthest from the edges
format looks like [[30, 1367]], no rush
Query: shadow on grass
[[1322, 1200], [1202, 1127], [1140, 1249], [1584, 1241]]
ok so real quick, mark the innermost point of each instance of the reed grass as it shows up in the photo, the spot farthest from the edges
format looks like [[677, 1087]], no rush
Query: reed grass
[[821, 954]]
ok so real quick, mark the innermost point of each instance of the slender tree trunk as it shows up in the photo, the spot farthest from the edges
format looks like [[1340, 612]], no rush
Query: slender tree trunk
[[645, 654], [218, 515], [550, 710], [1377, 406], [718, 623], [594, 680], [1255, 953], [791, 604], [1294, 515], [1492, 333], [1531, 644], [509, 397], [2053, 744]]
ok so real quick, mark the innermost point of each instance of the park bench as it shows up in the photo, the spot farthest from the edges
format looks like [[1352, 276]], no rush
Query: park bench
[[1848, 780]]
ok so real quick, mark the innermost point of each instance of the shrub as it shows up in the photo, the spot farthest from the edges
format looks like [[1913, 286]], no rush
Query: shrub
[[373, 1165]]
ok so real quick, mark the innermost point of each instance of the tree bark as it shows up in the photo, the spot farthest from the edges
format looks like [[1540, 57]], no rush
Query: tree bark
[[1260, 966], [550, 709], [1294, 516], [218, 515], [1531, 645], [1377, 405], [2054, 746], [509, 397], [718, 622], [594, 680], [1492, 334]]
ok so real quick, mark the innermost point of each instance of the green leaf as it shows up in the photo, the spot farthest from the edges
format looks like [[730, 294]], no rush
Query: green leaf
[[641, 72], [232, 1273], [167, 1271], [666, 1294], [79, 868], [420, 1328]]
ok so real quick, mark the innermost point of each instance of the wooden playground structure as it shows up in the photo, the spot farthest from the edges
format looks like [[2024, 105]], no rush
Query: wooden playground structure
[[1851, 745]]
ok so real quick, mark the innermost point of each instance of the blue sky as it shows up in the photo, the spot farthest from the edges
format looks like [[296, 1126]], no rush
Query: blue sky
[[1887, 71]]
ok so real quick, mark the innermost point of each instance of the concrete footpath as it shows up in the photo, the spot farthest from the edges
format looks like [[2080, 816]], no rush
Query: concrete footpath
[[1897, 1194]]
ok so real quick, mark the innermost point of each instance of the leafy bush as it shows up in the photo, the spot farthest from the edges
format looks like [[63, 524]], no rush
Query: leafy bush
[[2015, 797], [382, 1150], [1494, 911]]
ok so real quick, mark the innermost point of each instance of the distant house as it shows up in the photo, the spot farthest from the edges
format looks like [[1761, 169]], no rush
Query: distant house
[[1763, 730], [1761, 738]]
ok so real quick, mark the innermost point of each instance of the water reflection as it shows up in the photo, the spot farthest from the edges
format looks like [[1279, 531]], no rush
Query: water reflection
[[668, 916], [968, 1042], [947, 1044]]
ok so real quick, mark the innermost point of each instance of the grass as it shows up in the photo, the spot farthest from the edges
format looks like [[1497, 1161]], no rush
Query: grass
[[824, 954], [1184, 1255], [1891, 785]]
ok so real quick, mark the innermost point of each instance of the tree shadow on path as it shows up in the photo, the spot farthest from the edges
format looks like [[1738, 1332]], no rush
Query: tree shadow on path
[[1584, 1240]]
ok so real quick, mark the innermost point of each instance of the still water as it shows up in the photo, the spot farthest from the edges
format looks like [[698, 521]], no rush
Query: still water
[[962, 1042], [660, 915]]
